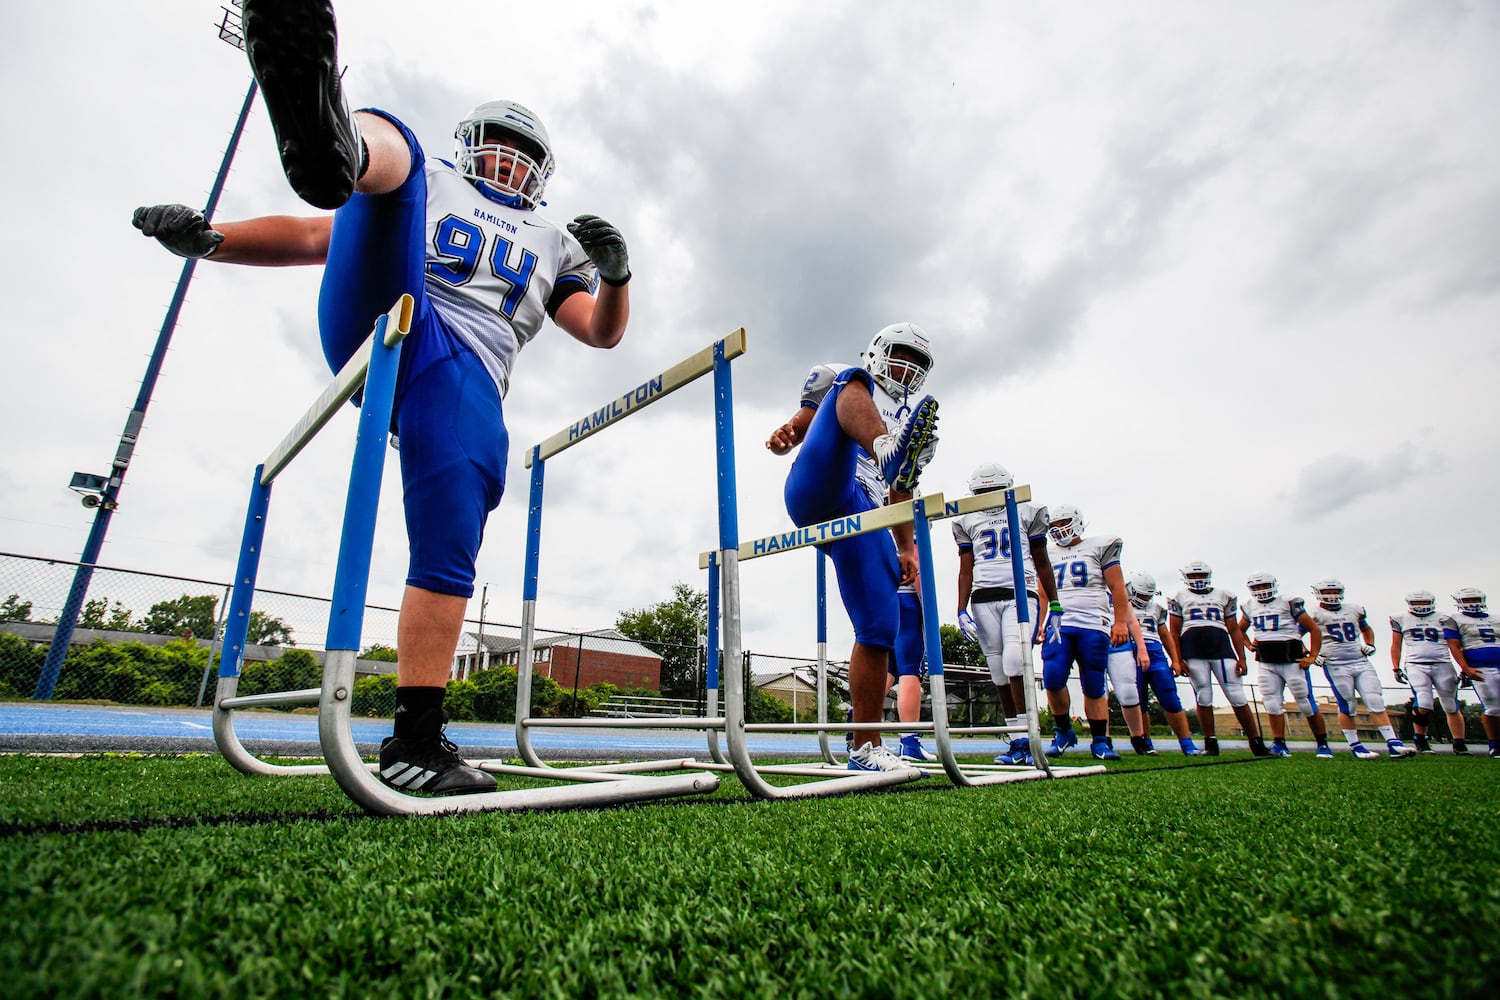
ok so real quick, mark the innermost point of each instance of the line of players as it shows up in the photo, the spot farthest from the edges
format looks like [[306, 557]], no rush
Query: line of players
[[1117, 634]]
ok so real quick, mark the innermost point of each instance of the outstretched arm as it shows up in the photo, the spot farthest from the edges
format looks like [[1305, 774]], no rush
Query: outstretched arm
[[599, 321], [268, 241]]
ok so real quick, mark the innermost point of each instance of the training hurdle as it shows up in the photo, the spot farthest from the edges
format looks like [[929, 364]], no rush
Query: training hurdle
[[372, 368], [919, 512], [716, 360]]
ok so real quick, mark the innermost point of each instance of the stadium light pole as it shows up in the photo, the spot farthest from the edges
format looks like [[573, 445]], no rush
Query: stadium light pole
[[101, 493]]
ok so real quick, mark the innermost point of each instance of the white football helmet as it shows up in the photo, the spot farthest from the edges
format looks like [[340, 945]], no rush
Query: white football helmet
[[1198, 576], [1470, 601], [990, 476], [1262, 587], [484, 152], [1329, 591], [1067, 524], [1421, 603], [1140, 588], [899, 376]]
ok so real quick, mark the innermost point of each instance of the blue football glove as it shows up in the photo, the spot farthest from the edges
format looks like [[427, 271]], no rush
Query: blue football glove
[[967, 627]]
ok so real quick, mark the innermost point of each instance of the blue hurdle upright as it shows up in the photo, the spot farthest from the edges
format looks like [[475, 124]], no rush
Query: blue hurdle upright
[[373, 368]]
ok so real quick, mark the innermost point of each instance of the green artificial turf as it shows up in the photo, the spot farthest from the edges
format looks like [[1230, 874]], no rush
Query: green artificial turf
[[180, 877]]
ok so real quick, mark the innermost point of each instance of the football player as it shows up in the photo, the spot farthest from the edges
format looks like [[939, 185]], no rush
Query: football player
[[865, 434], [987, 610], [485, 270], [1278, 623], [1474, 642], [1348, 644], [1093, 616], [1420, 660], [1131, 680], [1204, 623]]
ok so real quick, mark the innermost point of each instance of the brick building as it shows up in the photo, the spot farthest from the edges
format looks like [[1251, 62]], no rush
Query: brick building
[[569, 659]]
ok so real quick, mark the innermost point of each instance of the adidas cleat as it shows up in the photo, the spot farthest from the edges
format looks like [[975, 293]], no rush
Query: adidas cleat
[[902, 455], [431, 765], [1061, 741], [293, 50]]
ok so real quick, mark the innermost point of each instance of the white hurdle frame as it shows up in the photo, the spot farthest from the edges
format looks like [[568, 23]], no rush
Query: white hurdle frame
[[374, 367], [919, 512]]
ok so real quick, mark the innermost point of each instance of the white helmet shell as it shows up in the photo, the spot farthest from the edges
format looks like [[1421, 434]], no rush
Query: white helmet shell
[[899, 376], [1198, 576], [1262, 587], [1421, 602], [503, 146], [990, 476], [1067, 522], [1329, 590], [1470, 601], [1140, 588]]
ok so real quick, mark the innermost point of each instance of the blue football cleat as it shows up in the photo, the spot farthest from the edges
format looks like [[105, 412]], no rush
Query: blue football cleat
[[1061, 740], [1325, 752], [902, 455], [1102, 750], [1189, 748], [1279, 749], [1019, 747]]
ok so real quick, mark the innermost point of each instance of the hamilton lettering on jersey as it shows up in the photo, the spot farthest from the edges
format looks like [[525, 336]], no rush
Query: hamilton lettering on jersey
[[639, 396], [495, 220], [808, 536]]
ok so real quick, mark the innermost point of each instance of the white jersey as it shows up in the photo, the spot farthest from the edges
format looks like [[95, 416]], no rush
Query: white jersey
[[1476, 633], [1153, 619], [486, 261], [1273, 619], [1422, 639], [1343, 632], [892, 410], [1211, 609], [986, 533], [1080, 570]]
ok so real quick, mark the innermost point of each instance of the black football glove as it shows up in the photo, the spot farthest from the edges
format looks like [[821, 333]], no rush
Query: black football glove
[[180, 229], [605, 247]]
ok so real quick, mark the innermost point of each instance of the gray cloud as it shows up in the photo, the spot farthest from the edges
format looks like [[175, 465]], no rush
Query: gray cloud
[[1335, 482]]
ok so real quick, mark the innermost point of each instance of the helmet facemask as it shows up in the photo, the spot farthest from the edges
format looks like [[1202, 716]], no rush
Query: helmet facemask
[[899, 376], [514, 163]]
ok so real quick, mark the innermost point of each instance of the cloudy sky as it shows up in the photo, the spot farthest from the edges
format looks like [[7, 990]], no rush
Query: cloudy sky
[[1225, 275]]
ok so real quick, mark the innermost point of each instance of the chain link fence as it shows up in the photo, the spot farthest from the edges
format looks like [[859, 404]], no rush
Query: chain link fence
[[154, 639]]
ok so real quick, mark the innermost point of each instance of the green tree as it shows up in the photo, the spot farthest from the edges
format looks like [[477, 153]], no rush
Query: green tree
[[15, 610], [294, 670], [97, 613], [671, 629], [20, 666], [959, 648], [266, 630], [385, 654], [186, 613]]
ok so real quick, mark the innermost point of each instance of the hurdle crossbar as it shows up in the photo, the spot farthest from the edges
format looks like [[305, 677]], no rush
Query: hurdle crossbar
[[631, 401]]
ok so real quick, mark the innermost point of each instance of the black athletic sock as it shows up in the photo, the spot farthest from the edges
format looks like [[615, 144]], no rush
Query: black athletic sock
[[419, 712], [1098, 729]]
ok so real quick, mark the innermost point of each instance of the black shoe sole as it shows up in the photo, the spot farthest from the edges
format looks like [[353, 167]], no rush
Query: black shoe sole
[[293, 49]]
